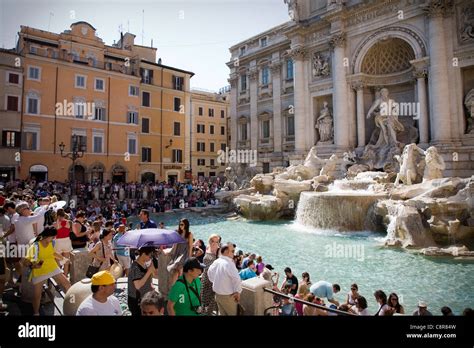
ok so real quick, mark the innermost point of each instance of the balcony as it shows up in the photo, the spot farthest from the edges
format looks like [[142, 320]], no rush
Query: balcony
[[288, 143], [265, 145], [243, 144]]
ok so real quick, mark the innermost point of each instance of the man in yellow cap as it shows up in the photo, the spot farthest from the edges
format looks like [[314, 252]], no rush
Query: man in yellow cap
[[102, 301]]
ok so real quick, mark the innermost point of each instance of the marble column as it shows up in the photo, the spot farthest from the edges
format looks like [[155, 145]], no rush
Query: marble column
[[439, 89], [277, 123], [253, 77], [359, 87], [423, 106], [233, 80], [298, 54], [341, 117]]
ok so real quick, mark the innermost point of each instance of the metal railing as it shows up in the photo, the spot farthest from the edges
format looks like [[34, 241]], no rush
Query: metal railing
[[337, 311], [55, 286]]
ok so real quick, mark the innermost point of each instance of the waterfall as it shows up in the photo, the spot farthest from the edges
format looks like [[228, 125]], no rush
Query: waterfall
[[343, 211]]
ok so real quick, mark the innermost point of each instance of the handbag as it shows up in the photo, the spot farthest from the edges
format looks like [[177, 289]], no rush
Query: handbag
[[91, 270]]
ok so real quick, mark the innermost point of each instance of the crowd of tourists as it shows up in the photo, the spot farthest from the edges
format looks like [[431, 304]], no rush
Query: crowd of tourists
[[108, 199], [195, 277]]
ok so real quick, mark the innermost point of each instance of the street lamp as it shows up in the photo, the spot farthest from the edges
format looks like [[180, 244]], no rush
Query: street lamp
[[77, 152]]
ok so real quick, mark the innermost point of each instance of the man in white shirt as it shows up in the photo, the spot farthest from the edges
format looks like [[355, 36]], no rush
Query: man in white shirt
[[24, 229], [102, 301], [226, 281]]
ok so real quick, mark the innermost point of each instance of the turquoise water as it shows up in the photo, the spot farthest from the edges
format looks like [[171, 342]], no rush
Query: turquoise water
[[438, 281]]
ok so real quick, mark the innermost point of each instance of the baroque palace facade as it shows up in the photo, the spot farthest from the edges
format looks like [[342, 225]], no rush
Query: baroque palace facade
[[312, 81]]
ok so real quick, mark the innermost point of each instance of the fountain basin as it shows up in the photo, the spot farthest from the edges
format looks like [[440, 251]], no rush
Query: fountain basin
[[344, 211]]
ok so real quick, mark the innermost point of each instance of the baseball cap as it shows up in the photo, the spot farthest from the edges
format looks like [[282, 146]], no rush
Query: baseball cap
[[270, 267], [103, 278], [193, 263]]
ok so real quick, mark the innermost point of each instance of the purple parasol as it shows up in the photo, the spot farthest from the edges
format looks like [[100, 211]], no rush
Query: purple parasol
[[150, 237]]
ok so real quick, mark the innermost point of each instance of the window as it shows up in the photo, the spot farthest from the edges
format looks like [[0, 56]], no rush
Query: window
[[200, 111], [243, 131], [222, 130], [11, 138], [201, 146], [263, 41], [97, 143], [29, 141], [177, 128], [80, 109], [99, 85], [211, 112], [80, 81], [265, 74], [34, 73], [289, 69], [222, 114], [132, 146], [201, 128], [145, 125], [201, 162], [223, 146], [79, 143], [33, 49], [146, 75], [211, 174], [242, 50], [177, 156], [145, 99], [290, 125], [178, 83], [266, 129], [213, 162], [146, 154], [212, 147], [13, 78], [32, 105], [133, 91], [211, 129], [132, 117], [243, 82], [100, 114], [177, 104], [12, 103]]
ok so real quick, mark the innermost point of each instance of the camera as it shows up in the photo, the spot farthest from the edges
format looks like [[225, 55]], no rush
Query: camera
[[198, 309]]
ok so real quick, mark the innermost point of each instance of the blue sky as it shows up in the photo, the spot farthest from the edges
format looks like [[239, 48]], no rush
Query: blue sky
[[189, 34]]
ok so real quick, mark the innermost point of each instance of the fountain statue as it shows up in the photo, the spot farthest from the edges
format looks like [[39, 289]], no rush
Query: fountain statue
[[324, 125], [410, 163], [434, 164], [383, 146]]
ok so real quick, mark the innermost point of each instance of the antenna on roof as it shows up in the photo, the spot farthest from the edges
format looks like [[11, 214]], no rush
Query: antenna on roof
[[51, 14], [143, 27]]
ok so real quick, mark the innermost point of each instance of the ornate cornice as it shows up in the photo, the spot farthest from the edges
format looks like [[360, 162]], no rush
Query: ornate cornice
[[338, 40], [298, 53], [420, 73], [253, 73], [275, 67], [438, 8]]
